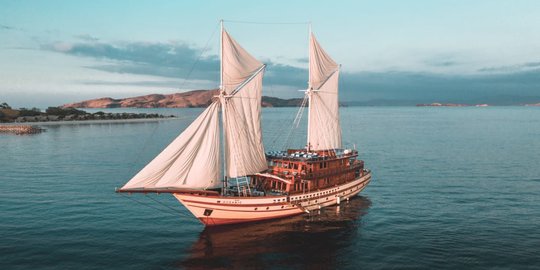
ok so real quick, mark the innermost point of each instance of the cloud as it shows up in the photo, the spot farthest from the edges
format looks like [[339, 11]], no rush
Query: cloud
[[407, 88], [166, 84], [512, 68], [532, 64], [302, 60], [86, 37], [176, 61], [173, 60], [7, 27], [442, 63]]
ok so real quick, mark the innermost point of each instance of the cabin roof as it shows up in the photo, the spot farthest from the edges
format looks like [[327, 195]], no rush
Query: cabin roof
[[302, 156]]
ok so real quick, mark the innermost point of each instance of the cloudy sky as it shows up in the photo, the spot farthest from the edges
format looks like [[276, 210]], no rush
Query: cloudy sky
[[392, 52]]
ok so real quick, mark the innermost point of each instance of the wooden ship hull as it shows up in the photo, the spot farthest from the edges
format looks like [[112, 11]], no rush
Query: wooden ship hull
[[221, 210]]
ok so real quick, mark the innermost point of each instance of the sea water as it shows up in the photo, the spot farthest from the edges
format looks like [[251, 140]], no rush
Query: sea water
[[452, 188]]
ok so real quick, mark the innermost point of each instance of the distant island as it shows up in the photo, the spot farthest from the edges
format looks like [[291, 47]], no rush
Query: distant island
[[191, 99], [22, 115], [436, 104]]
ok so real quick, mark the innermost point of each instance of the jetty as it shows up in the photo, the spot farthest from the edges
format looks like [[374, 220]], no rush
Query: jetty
[[20, 129]]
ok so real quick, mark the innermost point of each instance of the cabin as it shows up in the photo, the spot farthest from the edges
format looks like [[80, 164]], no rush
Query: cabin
[[300, 171]]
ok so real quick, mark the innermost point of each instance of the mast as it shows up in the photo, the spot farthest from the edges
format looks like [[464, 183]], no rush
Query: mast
[[308, 92], [324, 131], [221, 55], [309, 55], [222, 100]]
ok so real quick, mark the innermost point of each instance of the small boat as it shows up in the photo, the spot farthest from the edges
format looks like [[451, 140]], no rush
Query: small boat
[[220, 171]]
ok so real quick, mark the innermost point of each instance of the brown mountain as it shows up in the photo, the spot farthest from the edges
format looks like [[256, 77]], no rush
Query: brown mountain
[[196, 98]]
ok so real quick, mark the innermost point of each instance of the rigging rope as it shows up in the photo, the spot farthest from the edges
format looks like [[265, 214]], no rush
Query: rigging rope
[[186, 78], [254, 22], [138, 155], [167, 206], [347, 118], [296, 123], [153, 207], [198, 58], [235, 145]]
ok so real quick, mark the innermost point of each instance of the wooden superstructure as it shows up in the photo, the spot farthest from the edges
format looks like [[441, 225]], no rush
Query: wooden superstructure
[[301, 171]]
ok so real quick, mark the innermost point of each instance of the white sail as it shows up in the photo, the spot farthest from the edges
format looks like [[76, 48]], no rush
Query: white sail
[[245, 151], [324, 130], [242, 82], [237, 64], [192, 160]]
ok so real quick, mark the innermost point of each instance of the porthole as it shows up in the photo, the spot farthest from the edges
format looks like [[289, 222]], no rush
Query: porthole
[[267, 208], [255, 208]]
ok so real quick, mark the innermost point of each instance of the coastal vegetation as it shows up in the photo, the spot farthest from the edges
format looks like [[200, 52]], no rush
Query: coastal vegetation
[[21, 115]]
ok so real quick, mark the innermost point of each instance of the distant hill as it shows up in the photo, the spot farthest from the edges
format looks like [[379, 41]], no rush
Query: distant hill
[[191, 99]]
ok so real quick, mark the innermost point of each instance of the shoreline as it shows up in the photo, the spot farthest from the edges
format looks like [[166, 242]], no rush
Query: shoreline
[[88, 122]]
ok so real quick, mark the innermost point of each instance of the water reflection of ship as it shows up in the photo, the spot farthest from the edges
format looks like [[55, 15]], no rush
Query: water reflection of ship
[[307, 240]]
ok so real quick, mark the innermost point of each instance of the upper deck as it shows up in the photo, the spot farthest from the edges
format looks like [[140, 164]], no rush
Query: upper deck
[[301, 155], [328, 165], [298, 171]]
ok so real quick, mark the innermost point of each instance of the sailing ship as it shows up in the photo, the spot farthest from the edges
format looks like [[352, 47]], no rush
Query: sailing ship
[[256, 185]]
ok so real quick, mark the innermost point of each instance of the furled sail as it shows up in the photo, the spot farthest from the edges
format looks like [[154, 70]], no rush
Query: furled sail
[[324, 130], [191, 161], [242, 83]]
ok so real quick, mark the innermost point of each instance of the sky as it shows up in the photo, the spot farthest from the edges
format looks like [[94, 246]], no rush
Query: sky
[[392, 52]]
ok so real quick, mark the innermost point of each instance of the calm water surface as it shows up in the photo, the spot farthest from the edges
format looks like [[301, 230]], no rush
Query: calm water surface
[[453, 188]]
